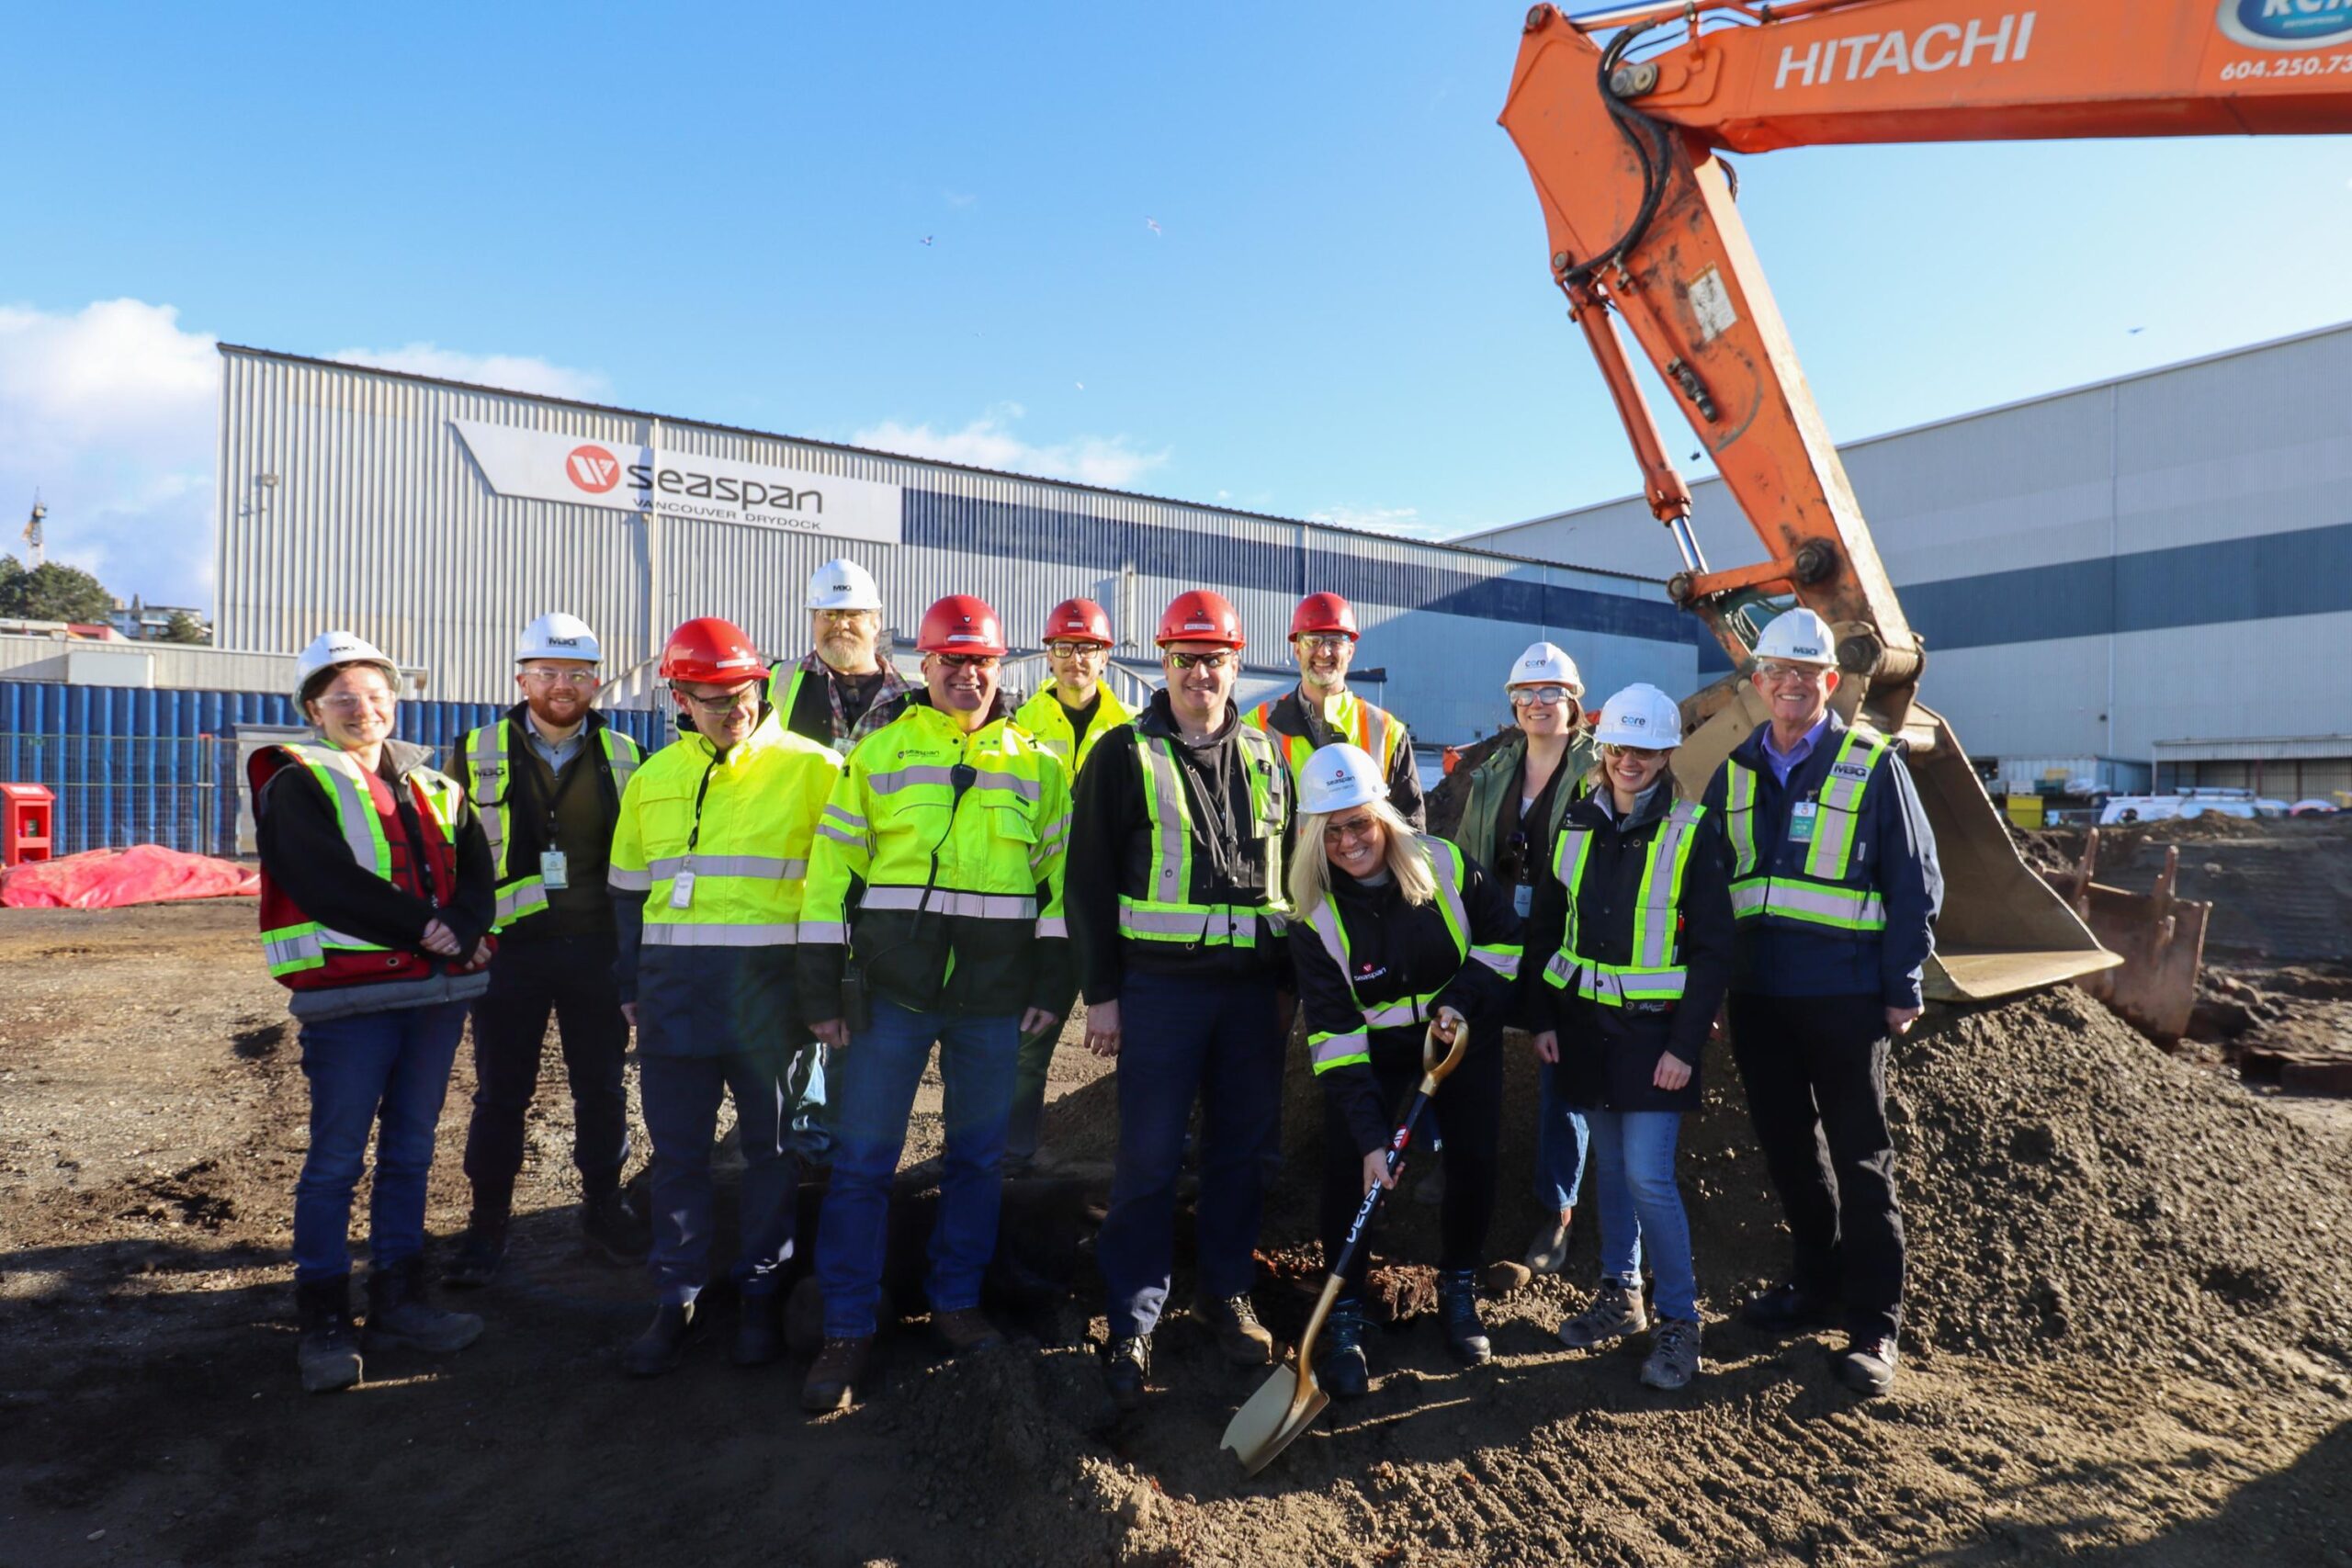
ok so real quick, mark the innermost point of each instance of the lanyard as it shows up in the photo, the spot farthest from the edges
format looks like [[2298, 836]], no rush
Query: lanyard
[[694, 834]]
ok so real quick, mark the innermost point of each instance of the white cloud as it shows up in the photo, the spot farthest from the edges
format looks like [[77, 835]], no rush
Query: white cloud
[[989, 442], [509, 372], [1406, 522], [112, 413]]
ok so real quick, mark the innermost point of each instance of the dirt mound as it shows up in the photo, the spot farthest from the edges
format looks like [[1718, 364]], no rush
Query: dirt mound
[[2281, 888]]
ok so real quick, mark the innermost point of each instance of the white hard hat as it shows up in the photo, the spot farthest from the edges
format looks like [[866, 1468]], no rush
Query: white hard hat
[[331, 649], [1798, 636], [843, 585], [1545, 664], [1338, 777], [558, 635], [1641, 715]]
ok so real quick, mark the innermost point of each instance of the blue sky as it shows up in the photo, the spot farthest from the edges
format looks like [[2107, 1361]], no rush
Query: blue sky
[[1345, 311]]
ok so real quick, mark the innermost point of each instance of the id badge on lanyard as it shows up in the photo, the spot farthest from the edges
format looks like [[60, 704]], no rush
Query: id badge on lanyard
[[555, 870], [682, 890], [1802, 817], [1522, 900]]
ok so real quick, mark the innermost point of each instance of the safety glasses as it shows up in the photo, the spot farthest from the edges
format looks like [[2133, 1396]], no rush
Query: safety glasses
[[1539, 696], [1180, 662]]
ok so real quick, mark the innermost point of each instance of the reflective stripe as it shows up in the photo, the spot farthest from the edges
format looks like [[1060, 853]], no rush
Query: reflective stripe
[[1330, 1051], [1840, 800], [1848, 908], [1052, 926], [1818, 897], [897, 779], [623, 754], [291, 948], [517, 899], [1012, 784], [1653, 975], [764, 867], [1169, 915], [1171, 822], [355, 811], [1503, 961], [845, 818], [830, 932], [486, 754], [628, 881], [943, 900], [1445, 869], [853, 841], [1208, 926], [711, 933], [1739, 805]]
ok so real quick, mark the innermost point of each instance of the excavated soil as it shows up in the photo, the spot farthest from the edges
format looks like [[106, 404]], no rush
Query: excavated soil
[[2130, 1343]]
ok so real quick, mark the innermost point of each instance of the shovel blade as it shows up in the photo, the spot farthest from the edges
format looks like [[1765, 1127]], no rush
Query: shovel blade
[[1273, 1418]]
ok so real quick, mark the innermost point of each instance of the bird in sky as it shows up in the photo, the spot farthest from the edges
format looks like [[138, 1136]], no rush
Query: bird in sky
[[1153, 224], [926, 239]]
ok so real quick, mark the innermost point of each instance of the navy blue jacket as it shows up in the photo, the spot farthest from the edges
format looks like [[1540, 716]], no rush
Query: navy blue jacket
[[1893, 844]]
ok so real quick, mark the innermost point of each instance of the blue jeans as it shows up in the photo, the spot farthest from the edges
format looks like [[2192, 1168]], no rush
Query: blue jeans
[[1218, 1041], [1633, 1168], [389, 1068], [1561, 1139], [682, 1095], [873, 1092]]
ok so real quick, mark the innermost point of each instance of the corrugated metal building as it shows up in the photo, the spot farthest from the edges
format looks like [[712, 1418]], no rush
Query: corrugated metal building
[[2156, 568], [436, 517]]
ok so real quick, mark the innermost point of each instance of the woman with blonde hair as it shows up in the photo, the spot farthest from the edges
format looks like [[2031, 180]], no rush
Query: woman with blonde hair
[[1391, 933]]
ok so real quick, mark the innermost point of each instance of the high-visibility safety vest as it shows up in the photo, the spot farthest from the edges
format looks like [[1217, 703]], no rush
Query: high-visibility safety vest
[[1169, 914], [1044, 716], [1656, 973], [1827, 892], [739, 822], [306, 955], [1351, 719], [1329, 1051], [485, 752], [932, 820]]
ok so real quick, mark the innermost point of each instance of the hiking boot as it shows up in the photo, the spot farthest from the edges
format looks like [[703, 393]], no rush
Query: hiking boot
[[759, 1331], [1615, 1312], [664, 1343], [1240, 1337], [1457, 1308], [834, 1378], [1126, 1364], [615, 1229], [1786, 1309], [328, 1352], [1339, 1364], [481, 1253], [398, 1313], [964, 1330], [1868, 1365], [1548, 1253], [1674, 1355]]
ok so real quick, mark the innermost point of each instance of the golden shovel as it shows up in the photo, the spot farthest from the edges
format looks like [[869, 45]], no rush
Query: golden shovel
[[1288, 1402]]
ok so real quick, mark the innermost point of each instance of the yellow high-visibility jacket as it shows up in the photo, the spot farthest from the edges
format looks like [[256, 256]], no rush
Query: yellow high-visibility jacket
[[1044, 716], [938, 868]]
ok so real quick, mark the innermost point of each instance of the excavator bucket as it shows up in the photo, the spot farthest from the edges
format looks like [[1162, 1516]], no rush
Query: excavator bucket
[[2002, 929]]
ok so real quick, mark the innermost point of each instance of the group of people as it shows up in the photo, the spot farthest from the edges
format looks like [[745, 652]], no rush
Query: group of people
[[832, 873]]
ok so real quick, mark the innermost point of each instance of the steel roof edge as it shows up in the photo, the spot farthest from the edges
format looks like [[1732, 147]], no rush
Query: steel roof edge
[[2011, 406], [1462, 549]]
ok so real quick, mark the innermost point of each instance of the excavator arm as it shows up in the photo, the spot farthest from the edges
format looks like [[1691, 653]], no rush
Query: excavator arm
[[1622, 138]]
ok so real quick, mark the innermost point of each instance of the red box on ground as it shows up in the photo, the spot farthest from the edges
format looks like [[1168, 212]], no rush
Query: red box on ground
[[27, 823]]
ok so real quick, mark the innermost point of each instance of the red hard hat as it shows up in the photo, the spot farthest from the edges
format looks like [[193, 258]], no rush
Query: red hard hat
[[1076, 620], [1201, 614], [961, 623], [713, 651], [1322, 612]]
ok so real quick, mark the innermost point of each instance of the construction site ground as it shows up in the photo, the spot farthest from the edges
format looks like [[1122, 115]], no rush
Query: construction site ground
[[2129, 1341]]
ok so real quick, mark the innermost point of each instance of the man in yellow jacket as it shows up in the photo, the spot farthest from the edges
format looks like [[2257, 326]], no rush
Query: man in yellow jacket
[[934, 913], [1070, 717], [1320, 711], [707, 865]]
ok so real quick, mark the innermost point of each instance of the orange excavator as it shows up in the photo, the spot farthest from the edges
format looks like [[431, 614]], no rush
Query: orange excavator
[[1621, 114]]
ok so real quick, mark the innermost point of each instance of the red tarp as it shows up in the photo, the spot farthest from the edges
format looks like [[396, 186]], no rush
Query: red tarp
[[108, 879]]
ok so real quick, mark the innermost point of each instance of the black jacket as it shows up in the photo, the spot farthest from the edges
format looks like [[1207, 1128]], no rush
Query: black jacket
[[301, 843], [1291, 716], [591, 806], [1398, 951], [1110, 849], [1608, 1054], [1893, 844]]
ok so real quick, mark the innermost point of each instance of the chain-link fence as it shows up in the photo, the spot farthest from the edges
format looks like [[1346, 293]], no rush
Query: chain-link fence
[[115, 791]]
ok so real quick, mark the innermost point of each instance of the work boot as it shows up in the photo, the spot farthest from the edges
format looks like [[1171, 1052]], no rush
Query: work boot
[[964, 1330], [1126, 1365], [1548, 1253], [1240, 1337], [1457, 1308], [759, 1332], [1674, 1354], [328, 1352], [481, 1253], [398, 1313], [1786, 1309], [835, 1374], [1868, 1365], [1615, 1312], [615, 1229], [1340, 1365], [664, 1343]]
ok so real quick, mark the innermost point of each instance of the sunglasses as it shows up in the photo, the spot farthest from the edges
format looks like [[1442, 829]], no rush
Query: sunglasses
[[968, 661], [1613, 752], [1361, 828], [1183, 662]]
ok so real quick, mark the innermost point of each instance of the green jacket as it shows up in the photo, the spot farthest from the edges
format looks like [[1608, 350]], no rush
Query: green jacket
[[1493, 780]]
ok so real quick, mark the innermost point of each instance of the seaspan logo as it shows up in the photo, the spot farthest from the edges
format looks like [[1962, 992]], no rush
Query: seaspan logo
[[2287, 24], [593, 469]]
